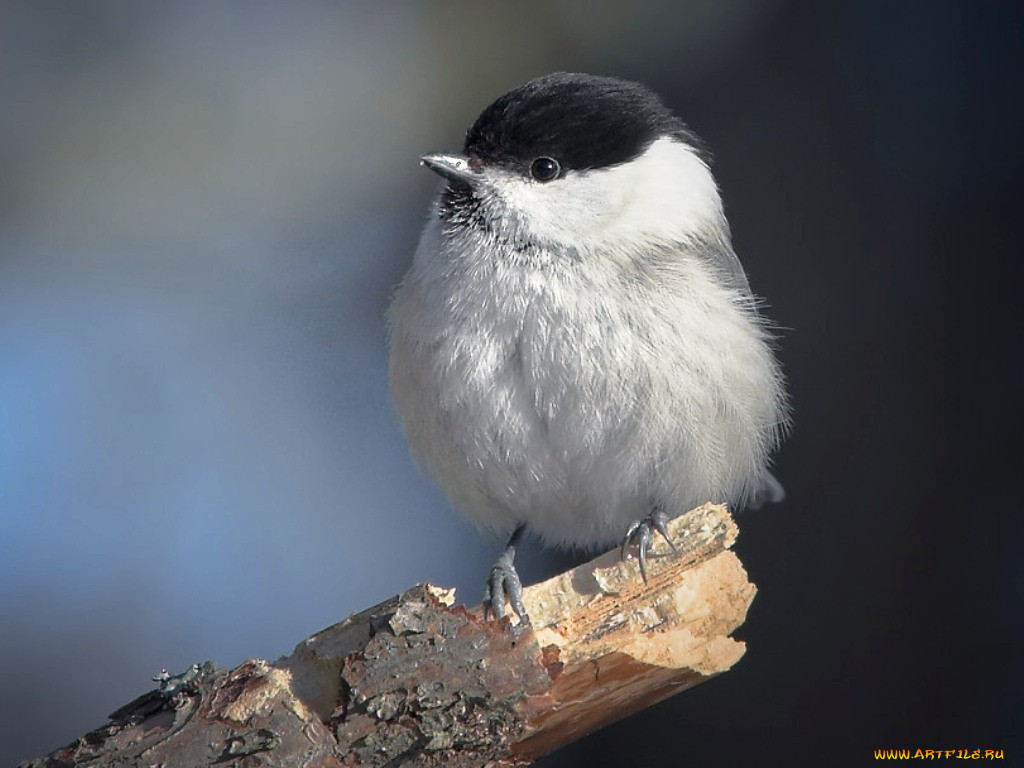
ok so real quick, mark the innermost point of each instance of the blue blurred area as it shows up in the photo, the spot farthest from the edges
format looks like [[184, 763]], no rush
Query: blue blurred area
[[205, 206], [204, 210]]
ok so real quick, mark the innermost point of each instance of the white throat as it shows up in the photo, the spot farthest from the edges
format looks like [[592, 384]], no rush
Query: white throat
[[666, 195]]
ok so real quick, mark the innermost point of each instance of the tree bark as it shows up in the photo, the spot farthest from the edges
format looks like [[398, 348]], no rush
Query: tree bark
[[420, 681]]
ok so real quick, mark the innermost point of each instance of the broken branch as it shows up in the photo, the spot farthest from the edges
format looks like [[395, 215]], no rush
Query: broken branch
[[418, 680]]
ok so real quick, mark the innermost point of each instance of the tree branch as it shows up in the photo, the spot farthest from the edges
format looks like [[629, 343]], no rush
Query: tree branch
[[420, 681]]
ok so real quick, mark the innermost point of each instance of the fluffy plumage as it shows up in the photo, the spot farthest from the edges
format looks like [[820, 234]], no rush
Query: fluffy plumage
[[575, 353]]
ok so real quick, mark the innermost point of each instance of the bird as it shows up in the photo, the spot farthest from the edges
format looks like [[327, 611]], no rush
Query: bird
[[575, 350]]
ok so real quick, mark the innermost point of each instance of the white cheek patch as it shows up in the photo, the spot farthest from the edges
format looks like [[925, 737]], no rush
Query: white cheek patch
[[666, 194]]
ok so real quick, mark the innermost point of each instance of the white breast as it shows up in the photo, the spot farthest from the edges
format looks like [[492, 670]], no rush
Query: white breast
[[575, 395]]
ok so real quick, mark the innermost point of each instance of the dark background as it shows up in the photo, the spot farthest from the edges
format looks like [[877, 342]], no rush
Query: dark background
[[204, 208]]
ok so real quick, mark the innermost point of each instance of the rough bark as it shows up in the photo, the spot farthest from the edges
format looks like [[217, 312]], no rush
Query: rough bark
[[420, 681]]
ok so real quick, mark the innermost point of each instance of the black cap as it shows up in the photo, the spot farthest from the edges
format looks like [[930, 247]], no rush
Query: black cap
[[581, 121]]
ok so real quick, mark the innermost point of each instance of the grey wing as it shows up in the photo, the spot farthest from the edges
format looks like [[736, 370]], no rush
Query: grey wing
[[719, 254]]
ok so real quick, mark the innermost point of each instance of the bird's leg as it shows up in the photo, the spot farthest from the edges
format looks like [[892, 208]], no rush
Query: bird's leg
[[640, 533], [503, 580]]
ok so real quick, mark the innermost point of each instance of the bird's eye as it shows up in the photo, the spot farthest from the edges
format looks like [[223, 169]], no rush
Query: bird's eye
[[545, 169]]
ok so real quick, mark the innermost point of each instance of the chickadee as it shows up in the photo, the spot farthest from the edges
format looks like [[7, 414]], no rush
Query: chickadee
[[576, 350]]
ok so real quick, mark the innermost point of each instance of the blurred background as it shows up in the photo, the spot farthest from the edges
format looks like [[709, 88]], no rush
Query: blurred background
[[205, 206]]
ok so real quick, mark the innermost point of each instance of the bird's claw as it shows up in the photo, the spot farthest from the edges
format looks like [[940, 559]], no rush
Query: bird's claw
[[504, 580], [640, 533]]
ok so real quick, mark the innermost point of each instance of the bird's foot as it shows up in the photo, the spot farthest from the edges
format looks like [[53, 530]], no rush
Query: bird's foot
[[504, 581], [641, 532]]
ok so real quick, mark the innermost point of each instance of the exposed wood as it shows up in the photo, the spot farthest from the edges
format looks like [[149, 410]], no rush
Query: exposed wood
[[418, 680]]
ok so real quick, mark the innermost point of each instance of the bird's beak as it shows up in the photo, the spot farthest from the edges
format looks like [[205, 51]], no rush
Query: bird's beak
[[451, 167]]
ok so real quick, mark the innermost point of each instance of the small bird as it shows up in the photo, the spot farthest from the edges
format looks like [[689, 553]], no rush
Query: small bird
[[575, 350]]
